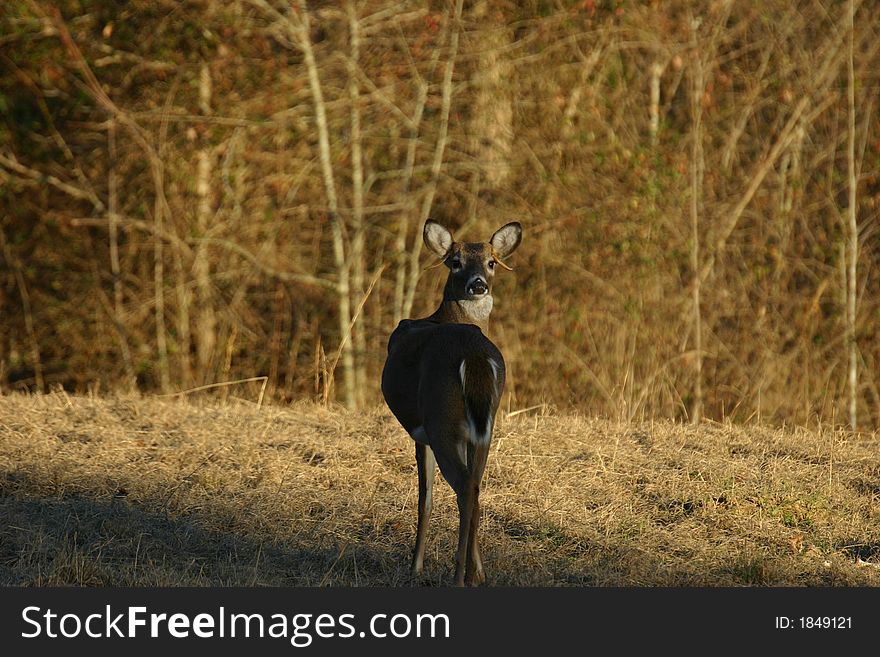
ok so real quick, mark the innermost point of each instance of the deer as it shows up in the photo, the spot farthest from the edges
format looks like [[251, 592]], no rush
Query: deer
[[443, 380]]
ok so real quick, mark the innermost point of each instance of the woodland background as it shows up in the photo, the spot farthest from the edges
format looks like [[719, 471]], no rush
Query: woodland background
[[200, 192]]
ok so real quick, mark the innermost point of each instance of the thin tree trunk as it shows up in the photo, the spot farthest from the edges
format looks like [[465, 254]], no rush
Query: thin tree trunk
[[853, 233], [403, 224], [159, 288], [492, 122], [275, 340], [160, 209], [184, 337], [696, 167], [292, 354], [409, 171], [357, 243], [206, 323], [656, 72], [300, 29], [446, 104], [113, 220]]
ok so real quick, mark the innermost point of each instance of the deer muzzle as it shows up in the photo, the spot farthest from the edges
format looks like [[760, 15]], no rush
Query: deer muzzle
[[477, 287]]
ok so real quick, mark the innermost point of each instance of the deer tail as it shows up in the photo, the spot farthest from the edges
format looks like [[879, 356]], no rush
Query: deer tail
[[481, 383]]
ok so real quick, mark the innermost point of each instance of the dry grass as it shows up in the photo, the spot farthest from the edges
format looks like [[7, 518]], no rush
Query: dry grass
[[130, 491]]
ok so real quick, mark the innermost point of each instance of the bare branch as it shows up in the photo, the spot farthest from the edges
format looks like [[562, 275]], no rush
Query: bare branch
[[12, 164]]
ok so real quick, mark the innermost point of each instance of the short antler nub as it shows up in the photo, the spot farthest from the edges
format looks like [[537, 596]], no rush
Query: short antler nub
[[500, 261], [435, 265]]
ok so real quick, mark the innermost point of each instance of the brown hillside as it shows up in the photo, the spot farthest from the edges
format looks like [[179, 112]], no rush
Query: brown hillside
[[140, 491]]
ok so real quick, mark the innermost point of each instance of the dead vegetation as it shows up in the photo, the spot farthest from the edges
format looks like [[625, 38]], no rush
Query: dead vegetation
[[139, 491], [196, 191]]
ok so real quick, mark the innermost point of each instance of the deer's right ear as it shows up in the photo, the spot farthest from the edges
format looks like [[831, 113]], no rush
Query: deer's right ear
[[437, 238]]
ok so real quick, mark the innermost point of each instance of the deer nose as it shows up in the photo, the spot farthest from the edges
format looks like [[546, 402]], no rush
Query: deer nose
[[477, 287]]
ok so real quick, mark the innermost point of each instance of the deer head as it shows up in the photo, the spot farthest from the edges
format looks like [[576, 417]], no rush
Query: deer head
[[472, 265]]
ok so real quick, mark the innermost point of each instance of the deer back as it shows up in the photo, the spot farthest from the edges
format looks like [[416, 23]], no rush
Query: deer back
[[442, 373]]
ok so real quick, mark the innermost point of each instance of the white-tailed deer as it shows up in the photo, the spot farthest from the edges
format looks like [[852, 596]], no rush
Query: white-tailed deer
[[443, 380]]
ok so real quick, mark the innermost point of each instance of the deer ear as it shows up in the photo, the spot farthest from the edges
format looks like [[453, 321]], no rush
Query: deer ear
[[506, 239], [437, 238]]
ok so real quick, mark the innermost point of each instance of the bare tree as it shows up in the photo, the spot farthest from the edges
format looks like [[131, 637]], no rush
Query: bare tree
[[738, 157], [300, 28], [492, 112], [206, 323], [357, 182], [852, 250], [437, 163], [403, 221], [697, 166], [296, 24], [113, 229]]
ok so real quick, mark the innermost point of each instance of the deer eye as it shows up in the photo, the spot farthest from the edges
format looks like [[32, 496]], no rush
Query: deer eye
[[455, 264], [491, 264]]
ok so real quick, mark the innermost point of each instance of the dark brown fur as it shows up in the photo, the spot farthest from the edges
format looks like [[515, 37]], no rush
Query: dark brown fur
[[443, 380]]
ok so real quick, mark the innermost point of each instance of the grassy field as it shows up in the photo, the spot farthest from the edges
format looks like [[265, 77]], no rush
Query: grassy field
[[138, 491]]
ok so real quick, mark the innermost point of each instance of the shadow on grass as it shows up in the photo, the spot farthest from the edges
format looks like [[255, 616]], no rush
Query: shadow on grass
[[77, 540], [80, 539]]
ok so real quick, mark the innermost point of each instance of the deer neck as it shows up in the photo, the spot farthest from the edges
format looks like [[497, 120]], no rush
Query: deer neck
[[465, 311]]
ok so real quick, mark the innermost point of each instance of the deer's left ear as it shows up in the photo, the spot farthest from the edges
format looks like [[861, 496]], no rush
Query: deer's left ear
[[506, 239]]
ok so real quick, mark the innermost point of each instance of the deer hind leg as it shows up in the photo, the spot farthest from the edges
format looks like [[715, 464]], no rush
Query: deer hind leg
[[463, 472], [477, 460], [427, 466], [467, 498], [454, 466]]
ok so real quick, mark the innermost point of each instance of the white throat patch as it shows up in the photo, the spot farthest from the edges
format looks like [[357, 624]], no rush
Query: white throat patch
[[477, 309]]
